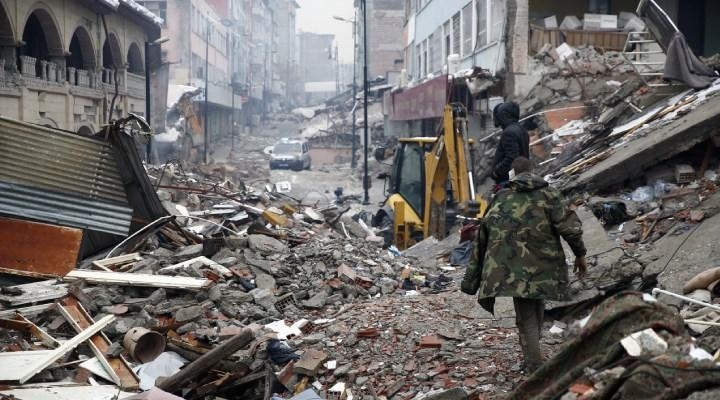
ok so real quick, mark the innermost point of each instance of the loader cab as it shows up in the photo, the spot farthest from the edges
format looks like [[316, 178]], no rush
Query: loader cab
[[407, 180]]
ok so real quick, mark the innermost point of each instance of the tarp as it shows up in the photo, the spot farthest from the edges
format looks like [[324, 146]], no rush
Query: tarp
[[682, 65]]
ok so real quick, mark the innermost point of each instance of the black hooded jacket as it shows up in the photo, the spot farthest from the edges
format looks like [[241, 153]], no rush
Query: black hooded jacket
[[514, 141]]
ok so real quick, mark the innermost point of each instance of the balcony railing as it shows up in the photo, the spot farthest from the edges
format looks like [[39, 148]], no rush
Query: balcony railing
[[136, 84]]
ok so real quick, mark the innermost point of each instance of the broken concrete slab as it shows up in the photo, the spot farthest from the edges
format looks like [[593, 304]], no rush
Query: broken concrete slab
[[633, 158], [317, 301], [310, 362], [266, 244], [188, 314], [608, 267]]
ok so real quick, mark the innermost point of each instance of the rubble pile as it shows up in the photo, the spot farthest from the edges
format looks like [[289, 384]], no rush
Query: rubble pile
[[576, 74], [225, 271], [630, 346]]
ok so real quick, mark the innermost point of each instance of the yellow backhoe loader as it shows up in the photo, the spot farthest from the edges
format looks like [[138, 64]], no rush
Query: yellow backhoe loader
[[430, 184]]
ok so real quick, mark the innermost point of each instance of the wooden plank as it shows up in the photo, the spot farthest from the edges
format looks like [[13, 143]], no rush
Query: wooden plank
[[117, 368], [15, 364], [109, 264], [32, 310], [36, 292], [207, 361], [38, 250], [66, 348], [121, 278], [220, 269], [38, 332], [104, 392]]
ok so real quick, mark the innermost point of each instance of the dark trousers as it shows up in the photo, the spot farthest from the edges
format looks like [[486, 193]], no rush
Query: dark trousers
[[529, 315]]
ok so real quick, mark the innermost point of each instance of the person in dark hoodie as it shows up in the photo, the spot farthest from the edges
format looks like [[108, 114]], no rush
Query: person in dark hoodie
[[518, 254], [514, 141]]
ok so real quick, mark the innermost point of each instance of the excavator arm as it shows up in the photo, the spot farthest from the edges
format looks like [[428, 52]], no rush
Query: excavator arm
[[447, 162]]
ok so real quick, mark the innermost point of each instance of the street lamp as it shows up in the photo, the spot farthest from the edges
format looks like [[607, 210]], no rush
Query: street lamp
[[353, 160], [205, 105], [157, 42], [366, 178], [229, 23]]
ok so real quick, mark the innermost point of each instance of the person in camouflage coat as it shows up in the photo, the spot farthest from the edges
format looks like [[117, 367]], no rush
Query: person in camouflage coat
[[523, 258]]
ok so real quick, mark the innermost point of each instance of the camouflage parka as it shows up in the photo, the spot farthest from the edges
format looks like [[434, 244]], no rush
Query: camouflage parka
[[522, 229]]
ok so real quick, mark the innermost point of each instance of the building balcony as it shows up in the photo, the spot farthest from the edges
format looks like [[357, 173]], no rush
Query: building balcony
[[44, 70], [81, 77]]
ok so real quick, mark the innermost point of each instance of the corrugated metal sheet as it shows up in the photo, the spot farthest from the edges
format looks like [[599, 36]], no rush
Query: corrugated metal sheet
[[50, 159], [63, 209]]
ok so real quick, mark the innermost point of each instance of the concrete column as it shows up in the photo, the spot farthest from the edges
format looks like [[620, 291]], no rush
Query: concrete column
[[517, 43], [60, 62], [71, 76], [520, 38]]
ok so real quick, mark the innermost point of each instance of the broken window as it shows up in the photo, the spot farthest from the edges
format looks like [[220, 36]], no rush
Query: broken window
[[496, 24], [482, 23], [436, 45], [425, 58], [447, 42], [467, 29], [430, 53], [456, 33], [599, 6]]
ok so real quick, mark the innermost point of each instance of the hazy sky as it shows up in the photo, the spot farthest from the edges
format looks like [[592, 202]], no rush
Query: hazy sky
[[317, 16]]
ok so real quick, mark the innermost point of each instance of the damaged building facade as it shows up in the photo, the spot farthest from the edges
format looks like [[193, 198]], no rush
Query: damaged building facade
[[61, 61]]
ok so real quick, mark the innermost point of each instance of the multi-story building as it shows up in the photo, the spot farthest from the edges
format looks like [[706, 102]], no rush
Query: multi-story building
[[317, 66], [385, 20], [468, 30], [73, 65], [200, 56], [284, 13]]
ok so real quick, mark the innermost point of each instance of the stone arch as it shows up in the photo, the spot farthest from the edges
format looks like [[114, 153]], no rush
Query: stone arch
[[7, 35], [41, 38], [82, 50], [111, 54], [135, 60], [85, 130]]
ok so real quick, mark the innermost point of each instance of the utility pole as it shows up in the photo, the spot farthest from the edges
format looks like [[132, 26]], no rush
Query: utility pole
[[366, 178], [207, 71], [353, 161], [354, 22], [148, 146]]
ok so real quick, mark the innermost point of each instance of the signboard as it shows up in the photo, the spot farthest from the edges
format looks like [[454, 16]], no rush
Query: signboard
[[420, 102]]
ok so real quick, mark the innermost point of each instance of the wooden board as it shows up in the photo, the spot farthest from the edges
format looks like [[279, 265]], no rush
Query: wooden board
[[36, 292], [106, 392], [38, 250], [118, 368], [120, 278], [15, 364], [65, 348]]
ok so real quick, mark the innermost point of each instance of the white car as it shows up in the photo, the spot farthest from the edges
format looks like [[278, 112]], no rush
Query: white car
[[292, 154]]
